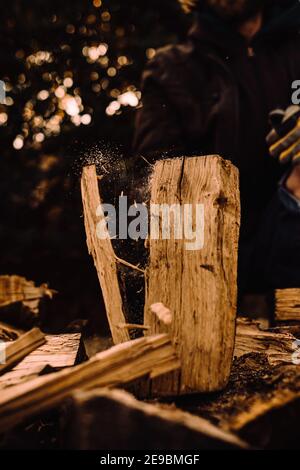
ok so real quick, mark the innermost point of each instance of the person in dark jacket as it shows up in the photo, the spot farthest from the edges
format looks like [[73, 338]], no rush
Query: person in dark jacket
[[213, 95]]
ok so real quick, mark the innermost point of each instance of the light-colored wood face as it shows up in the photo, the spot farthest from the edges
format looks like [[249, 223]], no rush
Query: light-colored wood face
[[121, 364], [198, 286], [287, 305], [103, 255]]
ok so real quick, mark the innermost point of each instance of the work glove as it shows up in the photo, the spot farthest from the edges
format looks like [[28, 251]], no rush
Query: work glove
[[284, 138]]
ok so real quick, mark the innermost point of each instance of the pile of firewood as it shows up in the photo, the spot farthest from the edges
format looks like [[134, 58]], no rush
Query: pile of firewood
[[196, 378]]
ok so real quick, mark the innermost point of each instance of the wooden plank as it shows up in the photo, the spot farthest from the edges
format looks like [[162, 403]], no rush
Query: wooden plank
[[103, 255], [123, 418], [287, 305], [18, 376], [250, 338], [58, 351], [199, 286], [16, 350], [119, 365]]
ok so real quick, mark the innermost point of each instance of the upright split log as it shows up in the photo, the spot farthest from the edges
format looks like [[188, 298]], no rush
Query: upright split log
[[198, 285], [103, 255]]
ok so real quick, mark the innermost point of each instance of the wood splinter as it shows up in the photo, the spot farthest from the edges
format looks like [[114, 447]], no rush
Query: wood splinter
[[162, 313]]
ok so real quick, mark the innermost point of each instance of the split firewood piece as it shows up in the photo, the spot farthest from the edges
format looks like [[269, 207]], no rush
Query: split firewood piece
[[287, 305], [250, 338], [122, 364], [18, 289], [20, 299], [12, 352], [195, 274], [162, 313], [133, 326], [9, 333], [162, 427], [103, 254], [59, 351]]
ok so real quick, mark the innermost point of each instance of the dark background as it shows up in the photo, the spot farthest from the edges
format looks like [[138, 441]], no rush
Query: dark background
[[42, 43]]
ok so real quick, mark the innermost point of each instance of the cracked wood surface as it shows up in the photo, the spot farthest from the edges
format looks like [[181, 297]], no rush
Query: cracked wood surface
[[199, 287], [103, 255]]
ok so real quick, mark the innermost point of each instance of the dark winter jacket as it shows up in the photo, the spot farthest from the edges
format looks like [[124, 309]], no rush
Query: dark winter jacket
[[213, 94]]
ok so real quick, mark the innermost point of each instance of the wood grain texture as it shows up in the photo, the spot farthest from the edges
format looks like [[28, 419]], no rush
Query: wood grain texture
[[250, 338], [122, 364], [58, 351], [287, 305], [103, 255], [18, 289], [199, 287], [16, 350]]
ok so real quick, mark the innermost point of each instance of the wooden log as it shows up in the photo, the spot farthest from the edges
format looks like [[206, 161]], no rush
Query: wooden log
[[199, 286], [14, 351], [15, 289], [119, 365], [287, 305], [103, 255], [133, 425], [59, 351], [250, 338], [21, 300]]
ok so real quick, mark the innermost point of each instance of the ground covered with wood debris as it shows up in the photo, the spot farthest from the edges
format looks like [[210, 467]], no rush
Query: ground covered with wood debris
[[183, 374]]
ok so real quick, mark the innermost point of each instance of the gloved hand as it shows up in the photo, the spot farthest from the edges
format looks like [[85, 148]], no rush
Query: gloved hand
[[284, 138]]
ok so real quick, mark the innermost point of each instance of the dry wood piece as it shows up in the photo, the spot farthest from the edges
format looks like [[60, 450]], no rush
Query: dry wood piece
[[119, 365], [8, 333], [287, 305], [18, 376], [103, 255], [14, 351], [279, 347], [199, 286], [162, 313], [123, 417], [58, 351], [18, 289]]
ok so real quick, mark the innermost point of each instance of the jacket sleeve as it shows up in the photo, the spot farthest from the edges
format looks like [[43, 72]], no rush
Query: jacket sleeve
[[157, 130]]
